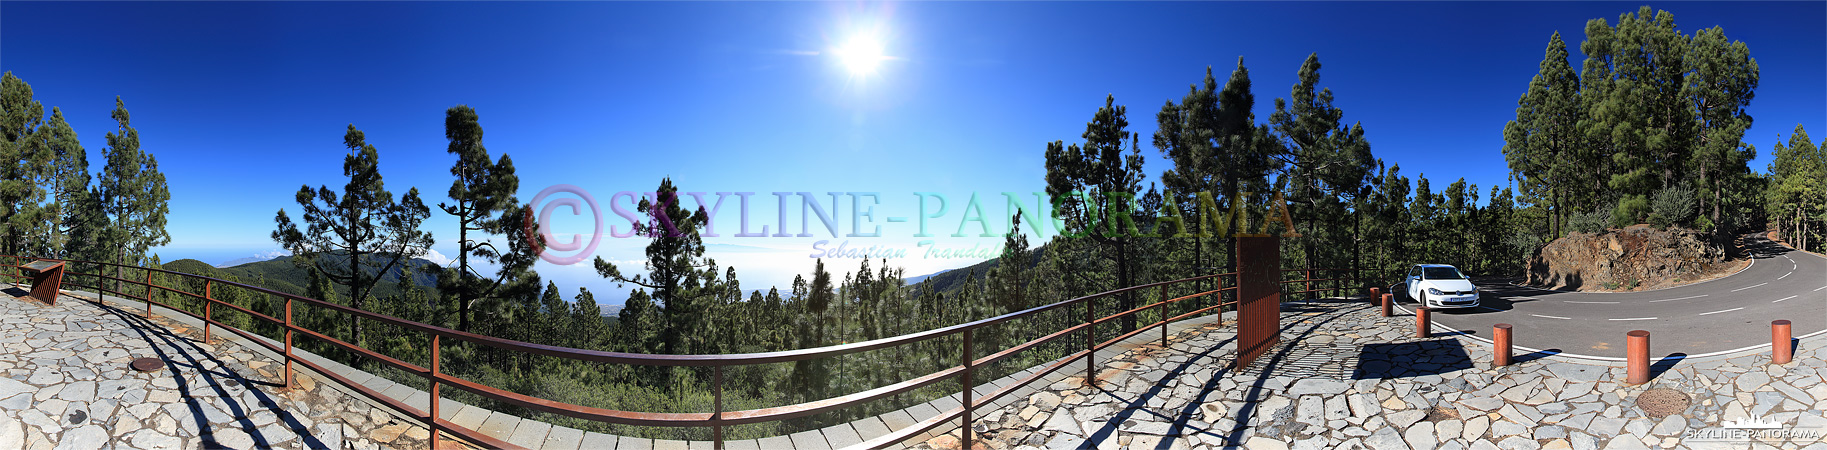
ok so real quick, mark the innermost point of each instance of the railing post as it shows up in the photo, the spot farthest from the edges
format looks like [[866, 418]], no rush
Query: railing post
[[431, 421], [148, 292], [1501, 351], [1163, 309], [1090, 344], [209, 302], [1781, 352], [1636, 349], [288, 342], [968, 401], [1308, 282], [1423, 327], [717, 406]]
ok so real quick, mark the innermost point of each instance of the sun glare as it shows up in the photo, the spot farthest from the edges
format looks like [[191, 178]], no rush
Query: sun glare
[[862, 55]]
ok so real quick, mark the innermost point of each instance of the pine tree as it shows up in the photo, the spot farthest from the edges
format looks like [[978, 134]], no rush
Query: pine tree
[[131, 193], [586, 320], [1093, 188], [1542, 138], [1330, 163], [356, 238], [484, 204], [679, 276], [25, 164], [69, 180], [1722, 79]]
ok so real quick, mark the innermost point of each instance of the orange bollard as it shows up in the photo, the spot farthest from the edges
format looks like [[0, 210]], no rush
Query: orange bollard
[[1501, 351], [1376, 293], [1386, 307], [1636, 351], [1423, 328], [1781, 352]]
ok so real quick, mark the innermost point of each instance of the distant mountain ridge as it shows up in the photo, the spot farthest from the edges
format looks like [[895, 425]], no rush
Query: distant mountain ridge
[[250, 259], [282, 275]]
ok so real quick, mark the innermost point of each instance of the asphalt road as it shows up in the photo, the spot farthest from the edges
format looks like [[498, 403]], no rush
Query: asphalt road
[[1723, 314]]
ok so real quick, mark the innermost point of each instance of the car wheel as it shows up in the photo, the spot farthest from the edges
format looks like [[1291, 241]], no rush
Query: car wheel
[[1422, 301]]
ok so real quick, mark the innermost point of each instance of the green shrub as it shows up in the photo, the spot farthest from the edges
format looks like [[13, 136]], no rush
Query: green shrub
[[1631, 210], [1674, 206], [1590, 222]]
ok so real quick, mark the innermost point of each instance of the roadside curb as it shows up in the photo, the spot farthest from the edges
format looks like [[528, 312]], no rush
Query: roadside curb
[[1608, 360]]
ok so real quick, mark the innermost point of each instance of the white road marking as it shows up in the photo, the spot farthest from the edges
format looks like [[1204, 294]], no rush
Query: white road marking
[[1552, 317], [1786, 275], [1717, 312], [1636, 318], [1818, 289], [1748, 287], [1784, 298], [1595, 303], [1673, 299]]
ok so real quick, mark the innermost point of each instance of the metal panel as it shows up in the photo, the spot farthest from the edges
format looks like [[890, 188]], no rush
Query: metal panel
[[1258, 297]]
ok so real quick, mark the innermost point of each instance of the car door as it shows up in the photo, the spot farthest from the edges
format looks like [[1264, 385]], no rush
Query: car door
[[1413, 286]]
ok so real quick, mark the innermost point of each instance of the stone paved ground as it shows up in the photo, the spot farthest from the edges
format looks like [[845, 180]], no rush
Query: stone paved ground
[[1345, 379], [67, 386]]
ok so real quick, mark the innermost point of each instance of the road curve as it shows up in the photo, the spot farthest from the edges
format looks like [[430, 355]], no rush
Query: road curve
[[1720, 315]]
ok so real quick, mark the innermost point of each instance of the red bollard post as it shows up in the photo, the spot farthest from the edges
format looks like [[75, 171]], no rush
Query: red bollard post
[[1386, 305], [1423, 328], [1780, 349], [1376, 293], [1501, 351], [1636, 351]]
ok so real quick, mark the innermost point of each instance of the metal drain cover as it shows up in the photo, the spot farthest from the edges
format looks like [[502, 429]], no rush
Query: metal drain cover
[[147, 364], [1662, 402]]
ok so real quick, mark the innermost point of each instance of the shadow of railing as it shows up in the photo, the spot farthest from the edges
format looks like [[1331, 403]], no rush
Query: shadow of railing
[[1531, 356], [180, 353], [1665, 364]]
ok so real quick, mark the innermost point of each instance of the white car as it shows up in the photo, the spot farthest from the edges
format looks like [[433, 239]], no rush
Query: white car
[[1440, 286]]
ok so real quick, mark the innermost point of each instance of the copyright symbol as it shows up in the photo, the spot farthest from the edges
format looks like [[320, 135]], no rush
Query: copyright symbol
[[576, 243]]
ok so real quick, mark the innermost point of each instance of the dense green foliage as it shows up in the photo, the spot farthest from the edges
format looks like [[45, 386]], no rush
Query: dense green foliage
[[51, 205], [1652, 113], [1796, 197]]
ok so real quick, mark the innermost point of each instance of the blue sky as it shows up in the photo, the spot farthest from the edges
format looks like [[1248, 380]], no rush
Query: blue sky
[[244, 102]]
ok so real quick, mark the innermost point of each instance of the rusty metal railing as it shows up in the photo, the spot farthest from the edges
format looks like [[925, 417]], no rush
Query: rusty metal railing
[[964, 372]]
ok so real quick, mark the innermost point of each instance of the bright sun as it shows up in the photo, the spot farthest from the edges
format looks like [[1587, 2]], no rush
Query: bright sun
[[862, 54]]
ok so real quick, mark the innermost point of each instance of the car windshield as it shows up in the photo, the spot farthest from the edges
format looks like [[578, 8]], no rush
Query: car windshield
[[1441, 273]]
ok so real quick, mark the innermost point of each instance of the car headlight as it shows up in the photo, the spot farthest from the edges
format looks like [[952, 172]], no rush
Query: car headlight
[[1433, 291]]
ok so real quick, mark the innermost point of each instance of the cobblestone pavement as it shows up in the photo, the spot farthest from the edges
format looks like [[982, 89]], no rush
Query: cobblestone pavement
[[68, 386], [1344, 378]]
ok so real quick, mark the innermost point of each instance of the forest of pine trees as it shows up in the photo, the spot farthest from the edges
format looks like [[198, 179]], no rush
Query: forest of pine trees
[[1649, 129]]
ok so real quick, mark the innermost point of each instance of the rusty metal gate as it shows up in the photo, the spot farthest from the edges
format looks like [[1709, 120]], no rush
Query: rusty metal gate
[[1258, 296]]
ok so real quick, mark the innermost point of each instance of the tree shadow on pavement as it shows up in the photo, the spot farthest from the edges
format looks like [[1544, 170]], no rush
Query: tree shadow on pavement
[[1411, 359], [180, 353]]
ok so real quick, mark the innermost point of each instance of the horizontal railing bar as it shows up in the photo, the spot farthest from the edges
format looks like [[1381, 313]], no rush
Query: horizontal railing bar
[[269, 319], [370, 354], [675, 360], [676, 419], [993, 357]]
